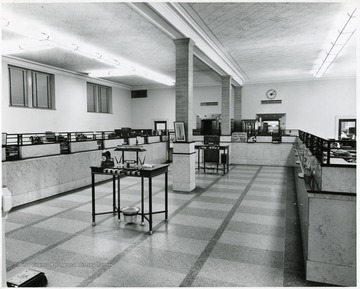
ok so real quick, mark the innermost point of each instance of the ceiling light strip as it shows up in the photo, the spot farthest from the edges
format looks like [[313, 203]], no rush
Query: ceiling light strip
[[321, 71], [62, 41]]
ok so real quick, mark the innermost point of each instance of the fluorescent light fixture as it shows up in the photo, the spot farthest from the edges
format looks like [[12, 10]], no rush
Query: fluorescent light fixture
[[108, 73], [14, 47], [48, 37], [337, 45]]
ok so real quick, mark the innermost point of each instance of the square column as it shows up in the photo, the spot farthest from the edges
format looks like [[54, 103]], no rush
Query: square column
[[225, 105], [237, 107], [184, 156], [184, 152], [184, 83]]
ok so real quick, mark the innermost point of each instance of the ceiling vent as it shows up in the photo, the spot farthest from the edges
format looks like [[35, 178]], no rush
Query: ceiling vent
[[139, 94], [209, 103]]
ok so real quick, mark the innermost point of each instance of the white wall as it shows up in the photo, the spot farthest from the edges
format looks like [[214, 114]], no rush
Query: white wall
[[159, 105], [70, 103], [206, 94], [311, 106]]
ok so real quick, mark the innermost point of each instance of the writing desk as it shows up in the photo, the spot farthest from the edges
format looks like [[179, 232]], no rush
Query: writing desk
[[142, 173], [218, 148]]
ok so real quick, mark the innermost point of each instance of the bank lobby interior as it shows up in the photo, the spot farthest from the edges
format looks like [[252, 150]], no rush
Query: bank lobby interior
[[179, 144]]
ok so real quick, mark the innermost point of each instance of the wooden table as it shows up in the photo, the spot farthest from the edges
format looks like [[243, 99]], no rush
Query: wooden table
[[142, 173]]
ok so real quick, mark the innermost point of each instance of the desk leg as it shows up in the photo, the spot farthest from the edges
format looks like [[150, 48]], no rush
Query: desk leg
[[114, 194], [198, 160], [118, 200], [150, 206], [142, 201], [227, 160], [93, 198], [204, 161], [166, 196]]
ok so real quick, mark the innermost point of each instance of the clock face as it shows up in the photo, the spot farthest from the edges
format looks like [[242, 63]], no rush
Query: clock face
[[271, 94]]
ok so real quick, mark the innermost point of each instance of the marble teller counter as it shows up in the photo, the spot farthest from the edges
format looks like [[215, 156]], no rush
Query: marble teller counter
[[327, 213], [263, 152], [36, 178]]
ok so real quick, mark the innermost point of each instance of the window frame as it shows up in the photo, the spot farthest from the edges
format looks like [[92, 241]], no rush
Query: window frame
[[98, 97], [30, 89]]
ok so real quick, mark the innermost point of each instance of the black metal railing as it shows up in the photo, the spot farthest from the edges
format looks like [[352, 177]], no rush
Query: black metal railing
[[329, 151], [12, 142]]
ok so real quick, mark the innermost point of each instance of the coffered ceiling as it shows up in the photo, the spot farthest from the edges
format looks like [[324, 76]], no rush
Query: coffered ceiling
[[253, 42]]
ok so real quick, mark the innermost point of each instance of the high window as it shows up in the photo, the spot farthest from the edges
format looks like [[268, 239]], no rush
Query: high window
[[30, 88], [99, 98]]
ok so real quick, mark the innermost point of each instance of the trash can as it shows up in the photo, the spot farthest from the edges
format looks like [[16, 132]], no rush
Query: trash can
[[130, 214], [5, 208]]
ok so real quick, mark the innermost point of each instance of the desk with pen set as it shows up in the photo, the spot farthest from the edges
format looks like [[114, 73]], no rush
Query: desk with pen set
[[132, 168]]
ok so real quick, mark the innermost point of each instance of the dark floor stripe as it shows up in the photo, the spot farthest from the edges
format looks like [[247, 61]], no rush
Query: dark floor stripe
[[195, 269]]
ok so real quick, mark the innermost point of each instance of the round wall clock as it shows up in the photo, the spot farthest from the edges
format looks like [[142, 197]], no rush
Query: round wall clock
[[271, 94]]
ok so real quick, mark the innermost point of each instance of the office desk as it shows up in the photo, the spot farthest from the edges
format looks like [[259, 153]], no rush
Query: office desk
[[143, 173], [219, 148]]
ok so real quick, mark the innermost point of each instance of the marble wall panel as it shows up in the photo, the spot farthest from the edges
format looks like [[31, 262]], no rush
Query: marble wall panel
[[332, 231], [262, 154], [331, 274], [338, 179], [153, 139], [261, 138], [288, 139], [112, 143], [37, 178], [39, 150], [83, 146]]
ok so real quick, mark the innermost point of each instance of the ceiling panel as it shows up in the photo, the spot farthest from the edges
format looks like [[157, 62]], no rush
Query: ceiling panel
[[112, 27], [263, 40], [273, 40]]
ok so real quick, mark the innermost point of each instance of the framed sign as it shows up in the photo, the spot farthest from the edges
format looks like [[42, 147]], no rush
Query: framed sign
[[179, 127]]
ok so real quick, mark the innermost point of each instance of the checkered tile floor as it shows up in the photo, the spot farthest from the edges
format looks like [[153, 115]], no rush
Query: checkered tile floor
[[240, 229]]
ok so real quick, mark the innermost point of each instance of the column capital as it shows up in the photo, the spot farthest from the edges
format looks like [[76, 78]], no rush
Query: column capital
[[183, 41], [225, 77]]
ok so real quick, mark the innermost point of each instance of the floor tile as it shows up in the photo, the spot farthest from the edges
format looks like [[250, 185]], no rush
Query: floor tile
[[218, 194], [261, 211], [42, 210], [265, 205], [94, 246], [17, 250], [39, 235], [9, 226], [253, 228], [161, 259], [76, 198], [68, 262], [207, 282], [63, 225], [165, 241], [259, 219], [188, 231], [242, 273], [253, 240], [211, 206], [127, 275], [196, 221], [204, 213], [215, 199], [62, 203], [20, 217]]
